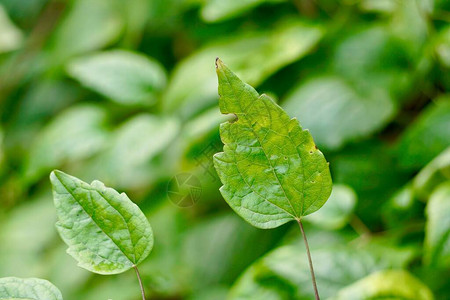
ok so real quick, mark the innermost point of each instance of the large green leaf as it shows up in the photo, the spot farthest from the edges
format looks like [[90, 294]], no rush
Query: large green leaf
[[271, 169], [427, 136], [253, 55], [392, 284], [105, 231], [437, 237], [123, 76], [13, 288]]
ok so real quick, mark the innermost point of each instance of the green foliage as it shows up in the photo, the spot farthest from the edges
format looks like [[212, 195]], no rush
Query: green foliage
[[125, 91], [13, 288], [105, 231], [123, 76], [271, 169]]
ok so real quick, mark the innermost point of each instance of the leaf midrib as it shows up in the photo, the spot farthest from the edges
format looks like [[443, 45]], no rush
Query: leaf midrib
[[273, 170]]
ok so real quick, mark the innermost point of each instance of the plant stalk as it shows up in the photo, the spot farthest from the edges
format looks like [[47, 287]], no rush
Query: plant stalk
[[311, 268], [140, 282]]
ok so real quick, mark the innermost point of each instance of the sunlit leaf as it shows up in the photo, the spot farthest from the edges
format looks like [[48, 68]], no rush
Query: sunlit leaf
[[271, 169], [338, 209], [253, 55], [392, 284], [13, 288], [123, 76], [105, 231], [437, 233]]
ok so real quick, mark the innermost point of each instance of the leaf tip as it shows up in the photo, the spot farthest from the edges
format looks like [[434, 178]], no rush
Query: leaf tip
[[54, 175], [219, 63]]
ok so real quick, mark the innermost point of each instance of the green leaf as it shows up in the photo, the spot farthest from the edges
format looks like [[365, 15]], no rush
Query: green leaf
[[128, 160], [125, 77], [253, 55], [427, 136], [105, 231], [437, 230], [13, 288], [218, 10], [390, 284], [11, 37], [336, 112], [271, 169], [75, 134], [338, 209]]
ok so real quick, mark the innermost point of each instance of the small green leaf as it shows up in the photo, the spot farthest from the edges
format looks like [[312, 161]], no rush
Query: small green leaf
[[437, 230], [105, 231], [390, 284], [125, 77], [271, 169], [337, 211], [13, 288]]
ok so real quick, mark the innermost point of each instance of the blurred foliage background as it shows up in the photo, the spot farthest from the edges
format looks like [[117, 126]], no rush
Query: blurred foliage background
[[126, 92]]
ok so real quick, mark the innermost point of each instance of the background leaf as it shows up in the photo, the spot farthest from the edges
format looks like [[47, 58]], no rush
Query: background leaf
[[125, 77]]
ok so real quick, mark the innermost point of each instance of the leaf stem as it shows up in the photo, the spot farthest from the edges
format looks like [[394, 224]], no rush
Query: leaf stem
[[140, 282], [311, 268]]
